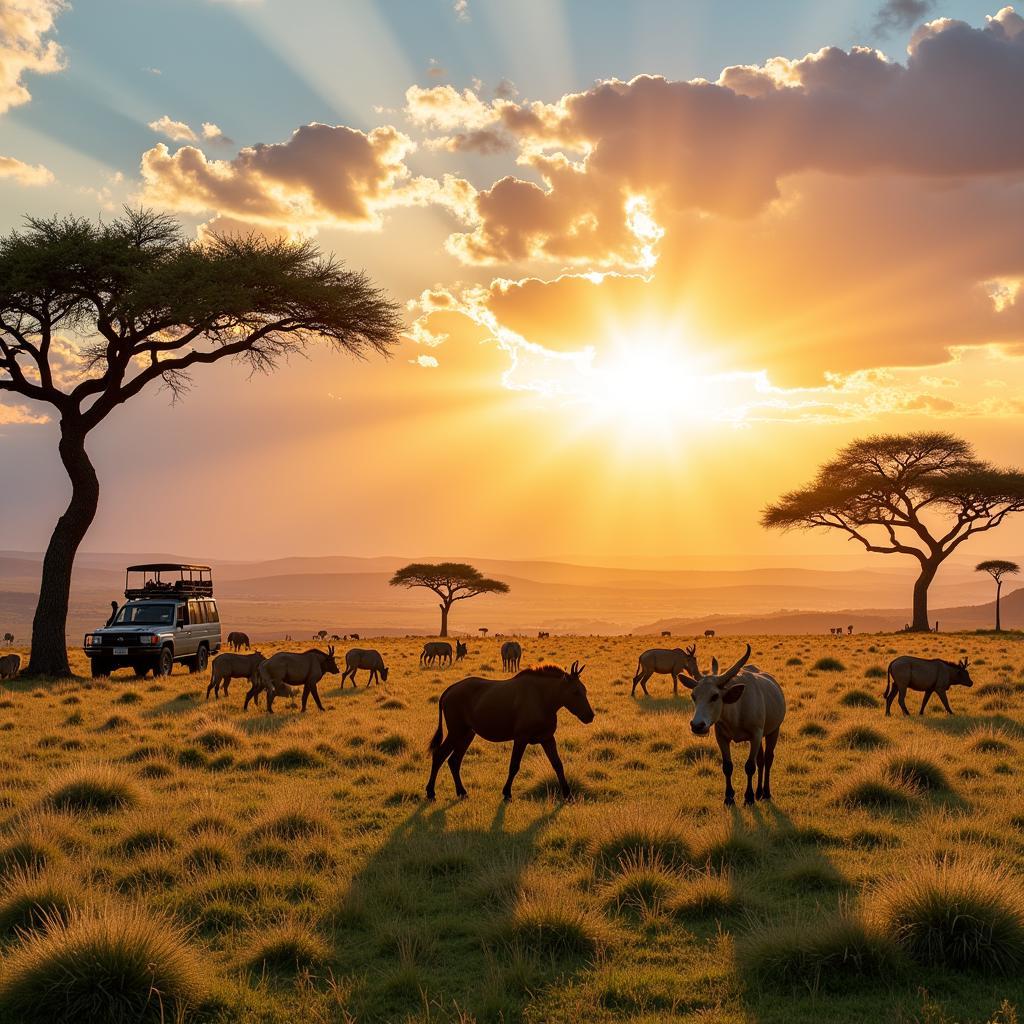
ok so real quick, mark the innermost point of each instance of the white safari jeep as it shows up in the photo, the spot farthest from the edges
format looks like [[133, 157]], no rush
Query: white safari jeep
[[169, 615]]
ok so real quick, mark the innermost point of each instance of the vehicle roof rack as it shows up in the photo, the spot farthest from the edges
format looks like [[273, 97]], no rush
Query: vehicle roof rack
[[192, 581]]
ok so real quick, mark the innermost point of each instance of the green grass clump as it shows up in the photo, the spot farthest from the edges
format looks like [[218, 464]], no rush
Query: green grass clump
[[97, 789], [880, 795], [829, 664], [809, 871], [636, 835], [957, 914], [862, 737], [639, 889], [817, 954], [551, 926], [288, 949], [858, 699], [874, 672], [815, 729], [918, 772], [706, 897], [290, 824], [219, 738], [115, 964], [31, 901]]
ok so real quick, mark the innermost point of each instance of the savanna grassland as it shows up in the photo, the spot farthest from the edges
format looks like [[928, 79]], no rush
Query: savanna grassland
[[182, 860]]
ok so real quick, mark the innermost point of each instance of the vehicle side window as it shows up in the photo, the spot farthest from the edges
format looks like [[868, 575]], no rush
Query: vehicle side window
[[195, 613], [182, 615], [212, 615]]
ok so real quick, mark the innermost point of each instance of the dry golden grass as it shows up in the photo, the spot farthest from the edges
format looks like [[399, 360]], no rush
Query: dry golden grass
[[286, 867]]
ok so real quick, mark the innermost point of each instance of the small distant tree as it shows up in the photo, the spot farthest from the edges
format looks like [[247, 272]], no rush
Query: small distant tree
[[920, 495], [92, 313], [483, 630], [451, 581], [997, 568]]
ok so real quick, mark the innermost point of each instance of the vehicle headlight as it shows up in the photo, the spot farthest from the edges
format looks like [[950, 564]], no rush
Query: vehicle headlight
[[151, 639], [88, 639]]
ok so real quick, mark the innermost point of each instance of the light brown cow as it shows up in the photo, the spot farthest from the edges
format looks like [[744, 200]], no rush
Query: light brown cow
[[662, 661], [10, 666], [742, 707], [283, 670], [927, 675], [228, 666]]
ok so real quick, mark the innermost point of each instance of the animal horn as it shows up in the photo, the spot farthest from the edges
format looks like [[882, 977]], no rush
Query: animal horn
[[579, 671], [727, 677], [573, 668], [691, 650], [330, 650]]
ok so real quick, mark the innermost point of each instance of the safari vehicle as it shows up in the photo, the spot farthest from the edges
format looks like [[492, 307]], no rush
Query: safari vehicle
[[169, 616]]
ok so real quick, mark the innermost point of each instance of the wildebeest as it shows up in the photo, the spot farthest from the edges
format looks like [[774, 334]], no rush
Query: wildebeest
[[359, 658], [931, 675], [237, 640], [8, 638], [661, 661], [523, 709], [511, 655], [10, 666], [742, 708], [228, 666], [666, 632], [709, 633], [542, 634], [439, 650], [283, 670], [461, 650]]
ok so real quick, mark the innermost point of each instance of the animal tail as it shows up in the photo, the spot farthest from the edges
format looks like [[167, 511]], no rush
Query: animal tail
[[438, 737], [639, 671], [888, 681]]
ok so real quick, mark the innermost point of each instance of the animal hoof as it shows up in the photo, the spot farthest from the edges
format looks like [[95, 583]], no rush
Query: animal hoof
[[431, 797], [463, 795], [730, 801], [749, 801]]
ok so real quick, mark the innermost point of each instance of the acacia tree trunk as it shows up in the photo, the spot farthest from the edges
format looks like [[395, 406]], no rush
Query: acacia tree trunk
[[920, 623], [999, 587], [444, 619], [49, 655]]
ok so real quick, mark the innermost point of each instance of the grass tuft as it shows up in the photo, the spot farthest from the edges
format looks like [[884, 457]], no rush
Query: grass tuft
[[829, 664], [862, 737], [31, 901], [289, 949], [859, 699], [98, 789]]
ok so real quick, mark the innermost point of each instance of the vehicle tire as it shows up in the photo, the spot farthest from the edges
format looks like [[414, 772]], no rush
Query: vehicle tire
[[200, 661], [164, 663], [100, 668], [140, 668]]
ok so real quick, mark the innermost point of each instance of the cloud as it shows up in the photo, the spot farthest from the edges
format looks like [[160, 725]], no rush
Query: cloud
[[428, 362], [25, 174], [20, 414], [900, 14], [212, 133], [25, 48], [324, 175], [177, 131], [461, 9]]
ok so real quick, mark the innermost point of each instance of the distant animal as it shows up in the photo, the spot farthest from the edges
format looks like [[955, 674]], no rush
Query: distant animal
[[743, 706], [541, 635], [523, 709], [511, 655], [8, 638], [849, 630], [353, 636], [288, 636], [322, 635], [709, 633], [358, 658], [10, 666], [461, 650], [666, 632], [236, 641], [228, 666], [930, 675], [661, 661], [439, 650], [334, 636], [283, 670]]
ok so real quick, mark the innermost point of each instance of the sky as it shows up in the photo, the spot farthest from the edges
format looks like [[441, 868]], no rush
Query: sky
[[657, 261]]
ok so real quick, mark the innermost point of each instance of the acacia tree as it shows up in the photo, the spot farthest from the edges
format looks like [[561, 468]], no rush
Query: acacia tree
[[451, 581], [997, 568], [93, 313], [920, 495]]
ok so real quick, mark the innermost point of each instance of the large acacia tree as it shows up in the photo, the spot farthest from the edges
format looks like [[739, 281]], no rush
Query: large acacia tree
[[93, 313], [920, 495], [451, 581]]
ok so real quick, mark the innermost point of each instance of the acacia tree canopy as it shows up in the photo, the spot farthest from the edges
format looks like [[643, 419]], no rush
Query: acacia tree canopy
[[451, 581], [920, 495]]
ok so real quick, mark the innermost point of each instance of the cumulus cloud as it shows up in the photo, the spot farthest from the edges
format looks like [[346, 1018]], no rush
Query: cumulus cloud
[[20, 414], [25, 46], [461, 9], [25, 174], [212, 133], [177, 131]]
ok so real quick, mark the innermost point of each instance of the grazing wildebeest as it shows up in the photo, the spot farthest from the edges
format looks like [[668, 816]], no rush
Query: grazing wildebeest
[[511, 655], [523, 709], [461, 650], [666, 632], [10, 666], [353, 636], [709, 633], [277, 673], [335, 637], [930, 675], [661, 661], [742, 708], [359, 658], [542, 635], [228, 666], [440, 650], [237, 640], [8, 638]]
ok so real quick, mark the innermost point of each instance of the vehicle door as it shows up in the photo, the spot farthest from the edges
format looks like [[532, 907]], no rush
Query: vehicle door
[[185, 640], [213, 633]]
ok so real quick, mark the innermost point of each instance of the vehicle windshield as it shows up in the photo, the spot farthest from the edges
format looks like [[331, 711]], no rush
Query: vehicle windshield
[[145, 614]]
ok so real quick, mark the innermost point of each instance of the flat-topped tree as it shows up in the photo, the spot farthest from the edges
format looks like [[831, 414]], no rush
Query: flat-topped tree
[[92, 313], [920, 495], [451, 581], [997, 568]]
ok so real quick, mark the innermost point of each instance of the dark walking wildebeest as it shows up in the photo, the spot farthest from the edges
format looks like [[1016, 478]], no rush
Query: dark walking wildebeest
[[930, 675], [543, 634], [439, 650], [359, 658], [742, 708], [461, 650], [236, 641], [709, 633], [10, 666], [511, 655], [228, 666], [283, 670], [523, 709], [661, 661], [9, 637]]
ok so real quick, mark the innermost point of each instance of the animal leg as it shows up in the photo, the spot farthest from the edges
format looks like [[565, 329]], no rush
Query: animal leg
[[902, 700], [372, 676], [551, 749], [518, 749], [769, 758], [441, 754], [927, 697], [750, 766], [455, 764], [760, 773], [675, 685], [945, 701], [250, 696], [210, 687], [306, 691], [723, 746], [890, 696]]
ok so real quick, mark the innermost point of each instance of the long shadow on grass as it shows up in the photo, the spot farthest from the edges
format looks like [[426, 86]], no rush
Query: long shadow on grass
[[670, 705], [428, 921]]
